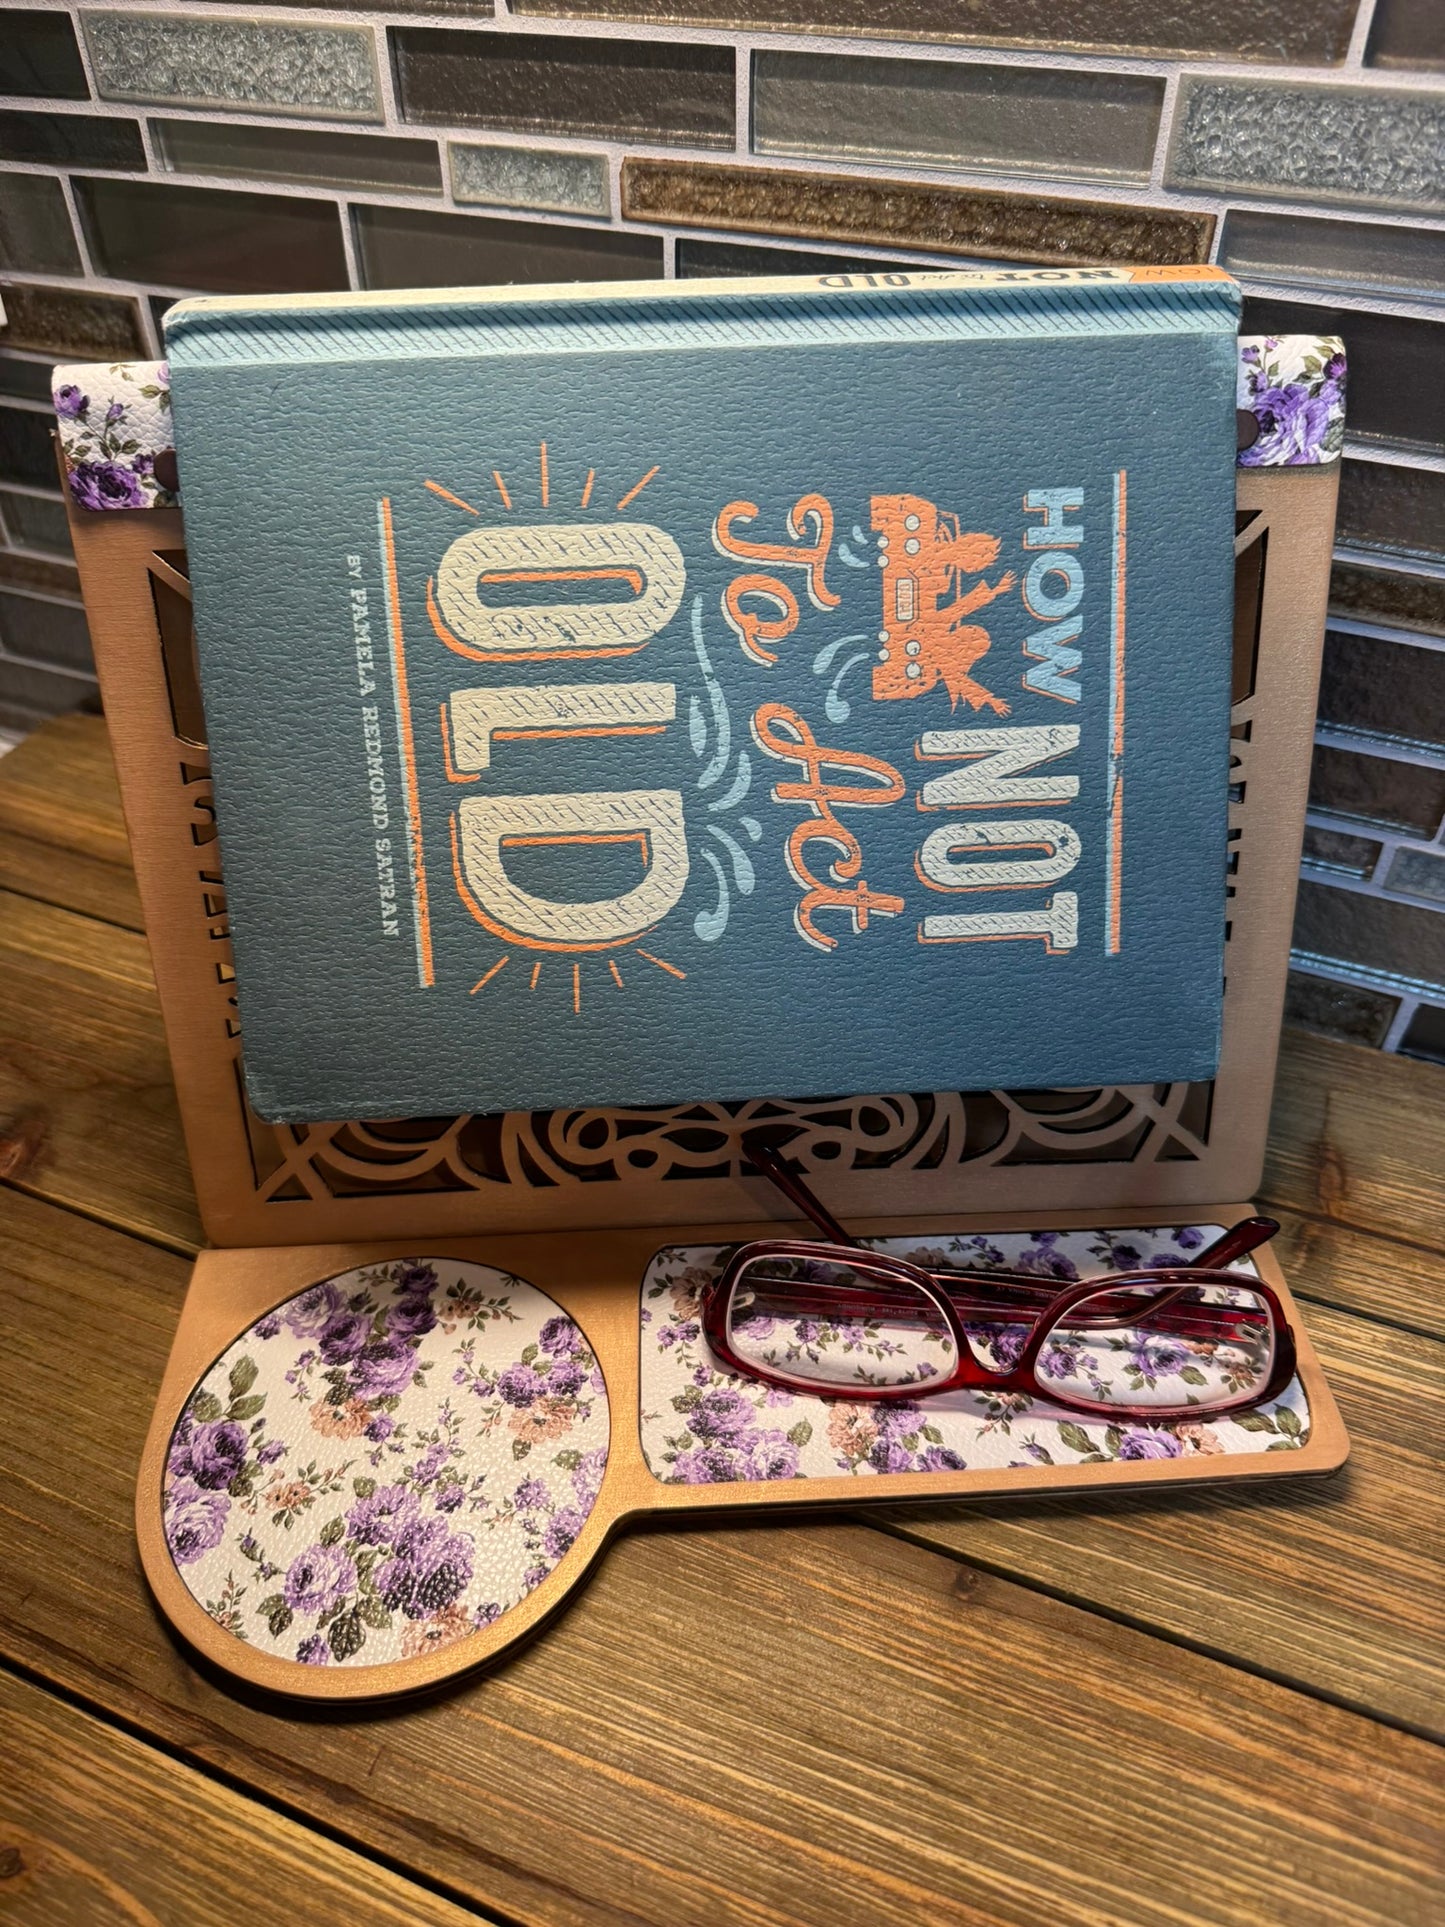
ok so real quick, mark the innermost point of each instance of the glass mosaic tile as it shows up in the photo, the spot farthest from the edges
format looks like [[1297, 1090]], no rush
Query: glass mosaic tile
[[1383, 596], [1353, 856], [1391, 688], [699, 260], [1372, 790], [40, 574], [34, 523], [1379, 147], [1078, 126], [26, 380], [1260, 245], [1300, 30], [555, 180], [38, 55], [1425, 1035], [1342, 1011], [1396, 388], [26, 454], [542, 84], [1407, 33], [35, 230], [30, 692], [1418, 873], [1399, 510], [298, 154], [196, 60], [53, 633], [892, 213], [71, 140], [1374, 932], [404, 248], [212, 240], [72, 323]]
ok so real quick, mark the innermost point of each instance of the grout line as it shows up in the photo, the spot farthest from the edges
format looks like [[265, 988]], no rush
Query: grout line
[[1400, 1024], [1354, 60], [93, 1708]]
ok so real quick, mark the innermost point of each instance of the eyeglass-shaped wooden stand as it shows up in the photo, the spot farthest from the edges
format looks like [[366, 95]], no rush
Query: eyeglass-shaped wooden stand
[[575, 1203]]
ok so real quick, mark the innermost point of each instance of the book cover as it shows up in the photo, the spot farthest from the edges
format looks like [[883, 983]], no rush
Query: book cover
[[649, 693]]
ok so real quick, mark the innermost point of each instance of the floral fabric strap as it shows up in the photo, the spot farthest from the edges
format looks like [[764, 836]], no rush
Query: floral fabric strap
[[119, 447]]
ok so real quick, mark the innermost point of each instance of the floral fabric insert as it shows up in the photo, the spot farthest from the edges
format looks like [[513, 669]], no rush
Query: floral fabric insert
[[1294, 386], [705, 1425], [116, 434], [385, 1463]]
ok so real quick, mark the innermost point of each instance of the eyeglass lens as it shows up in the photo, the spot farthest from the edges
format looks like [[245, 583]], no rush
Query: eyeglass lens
[[819, 1321]]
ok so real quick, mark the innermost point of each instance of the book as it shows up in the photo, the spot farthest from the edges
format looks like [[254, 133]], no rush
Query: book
[[641, 694]]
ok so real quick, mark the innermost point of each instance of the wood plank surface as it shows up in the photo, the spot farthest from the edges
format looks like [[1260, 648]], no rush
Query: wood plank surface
[[62, 836], [88, 1112], [743, 1725], [1384, 1278], [1358, 1138], [96, 1827]]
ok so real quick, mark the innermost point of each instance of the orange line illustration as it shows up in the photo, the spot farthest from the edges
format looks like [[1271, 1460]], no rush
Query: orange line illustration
[[1115, 851], [408, 750], [544, 474], [453, 774], [498, 965], [501, 488], [638, 487], [456, 500], [671, 969], [616, 973], [536, 973], [587, 486], [576, 988], [500, 930]]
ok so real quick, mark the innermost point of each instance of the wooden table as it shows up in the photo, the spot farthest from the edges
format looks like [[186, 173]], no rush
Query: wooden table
[[1172, 1708]]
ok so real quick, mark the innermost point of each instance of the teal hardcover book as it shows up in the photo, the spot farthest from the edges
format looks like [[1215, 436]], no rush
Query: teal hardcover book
[[639, 694]]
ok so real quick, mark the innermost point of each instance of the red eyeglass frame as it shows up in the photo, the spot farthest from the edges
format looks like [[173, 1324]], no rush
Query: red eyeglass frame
[[1001, 1306]]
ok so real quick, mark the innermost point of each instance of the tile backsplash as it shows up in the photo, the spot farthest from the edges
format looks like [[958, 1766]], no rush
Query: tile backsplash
[[154, 150]]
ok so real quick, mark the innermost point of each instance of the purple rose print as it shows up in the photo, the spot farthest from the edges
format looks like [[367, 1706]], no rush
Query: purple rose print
[[313, 1651], [520, 1385], [70, 402], [318, 1578], [216, 1454], [448, 1497], [773, 1457], [565, 1378], [719, 1414], [411, 1316], [105, 485], [381, 1428], [938, 1458], [195, 1521], [429, 1567], [560, 1534], [376, 1520], [387, 1368], [268, 1327], [1144, 1443], [309, 1314], [416, 1279], [530, 1494], [272, 1450], [1188, 1237], [557, 1335], [343, 1335]]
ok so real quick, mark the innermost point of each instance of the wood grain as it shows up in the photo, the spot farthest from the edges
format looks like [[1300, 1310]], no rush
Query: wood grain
[[96, 1826], [737, 1726], [1383, 1278], [62, 837], [85, 1083], [1356, 1138]]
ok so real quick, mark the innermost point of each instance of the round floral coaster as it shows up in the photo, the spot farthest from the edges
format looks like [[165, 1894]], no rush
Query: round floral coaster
[[386, 1463]]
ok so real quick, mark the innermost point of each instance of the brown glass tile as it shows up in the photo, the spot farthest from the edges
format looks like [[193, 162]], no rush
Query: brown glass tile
[[1398, 510], [1054, 120], [1384, 596], [33, 522], [35, 231], [1373, 790], [702, 260], [1425, 1035], [31, 572], [26, 453], [322, 159], [1407, 33], [890, 213], [71, 140], [1418, 873], [51, 633], [71, 323], [1394, 689], [1396, 385], [546, 84], [1353, 856], [403, 247], [30, 692], [1259, 245], [1375, 933], [1302, 30], [205, 238], [1341, 1011], [38, 55]]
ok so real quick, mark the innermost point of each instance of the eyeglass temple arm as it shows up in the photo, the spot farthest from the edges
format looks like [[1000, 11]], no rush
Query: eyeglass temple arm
[[769, 1161], [1246, 1236]]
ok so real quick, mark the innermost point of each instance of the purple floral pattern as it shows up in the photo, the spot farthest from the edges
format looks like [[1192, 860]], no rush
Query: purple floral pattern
[[704, 1425], [1294, 386], [385, 1463], [116, 434]]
